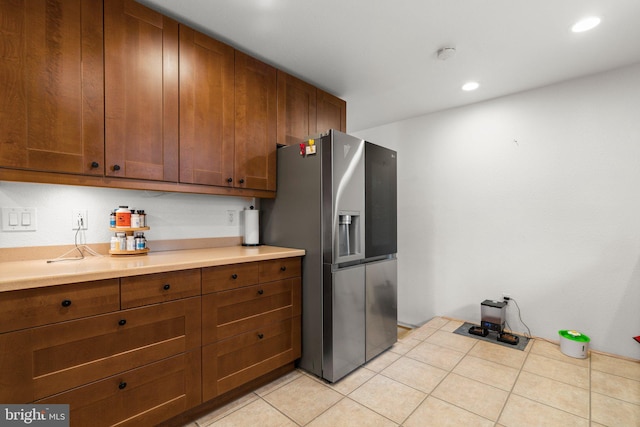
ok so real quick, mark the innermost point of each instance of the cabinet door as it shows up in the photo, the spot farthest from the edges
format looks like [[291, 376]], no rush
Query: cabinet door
[[296, 109], [229, 313], [230, 363], [51, 91], [141, 397], [332, 112], [39, 362], [141, 92], [255, 124], [206, 109]]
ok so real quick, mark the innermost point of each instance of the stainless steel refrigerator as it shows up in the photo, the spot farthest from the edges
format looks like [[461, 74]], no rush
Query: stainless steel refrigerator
[[336, 198]]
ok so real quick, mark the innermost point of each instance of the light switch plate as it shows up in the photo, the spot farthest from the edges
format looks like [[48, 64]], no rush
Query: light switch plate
[[19, 219]]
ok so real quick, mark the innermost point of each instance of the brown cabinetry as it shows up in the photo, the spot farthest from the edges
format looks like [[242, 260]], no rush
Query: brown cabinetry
[[332, 112], [141, 92], [206, 109], [36, 307], [255, 124], [114, 94], [137, 291], [296, 109], [140, 350], [252, 329], [140, 397], [304, 110], [52, 359], [51, 90]]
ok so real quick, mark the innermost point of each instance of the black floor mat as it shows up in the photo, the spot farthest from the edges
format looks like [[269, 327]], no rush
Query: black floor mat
[[492, 337]]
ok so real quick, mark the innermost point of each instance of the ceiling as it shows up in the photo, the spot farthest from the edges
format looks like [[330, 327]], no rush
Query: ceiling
[[380, 55]]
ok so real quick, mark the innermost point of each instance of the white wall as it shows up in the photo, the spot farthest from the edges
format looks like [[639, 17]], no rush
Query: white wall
[[170, 215], [534, 194]]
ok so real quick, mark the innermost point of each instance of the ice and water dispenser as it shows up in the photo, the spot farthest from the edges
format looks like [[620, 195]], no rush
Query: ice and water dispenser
[[348, 234]]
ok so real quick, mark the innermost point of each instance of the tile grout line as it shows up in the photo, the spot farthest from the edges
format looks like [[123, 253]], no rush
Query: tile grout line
[[528, 353]]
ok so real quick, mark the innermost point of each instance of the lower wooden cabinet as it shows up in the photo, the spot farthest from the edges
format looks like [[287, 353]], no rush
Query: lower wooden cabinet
[[230, 363], [139, 397], [51, 359], [149, 349], [251, 330]]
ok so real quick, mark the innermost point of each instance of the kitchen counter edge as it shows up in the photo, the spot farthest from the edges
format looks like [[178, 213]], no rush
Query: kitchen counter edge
[[19, 275]]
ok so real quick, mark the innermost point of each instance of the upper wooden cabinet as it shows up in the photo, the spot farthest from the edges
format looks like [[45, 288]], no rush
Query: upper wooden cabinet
[[51, 79], [332, 112], [114, 94], [255, 124], [296, 109], [304, 110], [141, 92], [206, 109]]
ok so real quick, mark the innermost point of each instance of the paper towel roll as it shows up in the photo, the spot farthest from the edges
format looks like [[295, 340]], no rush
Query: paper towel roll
[[251, 228]]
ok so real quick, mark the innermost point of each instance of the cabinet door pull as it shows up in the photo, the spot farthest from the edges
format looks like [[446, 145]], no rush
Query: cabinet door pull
[[241, 181], [122, 385], [116, 167], [66, 303], [260, 292], [122, 322], [260, 336], [283, 268], [95, 165], [229, 180], [234, 276], [166, 287]]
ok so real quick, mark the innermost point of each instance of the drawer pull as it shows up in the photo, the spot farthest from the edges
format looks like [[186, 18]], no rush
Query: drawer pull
[[122, 385], [122, 322], [260, 336], [283, 268], [234, 276], [66, 303], [260, 292], [166, 287], [94, 165]]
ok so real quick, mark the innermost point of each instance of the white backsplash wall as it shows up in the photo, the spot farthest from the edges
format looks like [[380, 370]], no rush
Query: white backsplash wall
[[169, 215], [534, 194]]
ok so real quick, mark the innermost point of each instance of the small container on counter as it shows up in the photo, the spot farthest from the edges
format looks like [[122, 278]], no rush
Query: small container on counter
[[122, 241], [112, 219], [115, 243], [143, 218], [135, 220], [141, 242], [123, 217], [131, 243]]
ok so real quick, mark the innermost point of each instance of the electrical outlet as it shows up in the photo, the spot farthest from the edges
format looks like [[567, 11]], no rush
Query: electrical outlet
[[232, 217], [79, 219]]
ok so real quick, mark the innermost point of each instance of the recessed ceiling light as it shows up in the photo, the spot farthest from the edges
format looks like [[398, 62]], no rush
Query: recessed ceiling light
[[585, 24], [470, 86]]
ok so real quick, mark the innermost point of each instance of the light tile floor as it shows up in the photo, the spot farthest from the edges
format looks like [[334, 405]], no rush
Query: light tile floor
[[433, 377]]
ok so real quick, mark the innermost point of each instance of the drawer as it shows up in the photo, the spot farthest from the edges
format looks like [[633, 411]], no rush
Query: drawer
[[279, 269], [232, 276], [137, 291], [39, 362], [230, 363], [143, 397], [42, 306], [233, 312]]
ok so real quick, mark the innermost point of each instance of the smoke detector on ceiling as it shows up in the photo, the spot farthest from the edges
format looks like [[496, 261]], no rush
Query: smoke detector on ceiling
[[446, 53]]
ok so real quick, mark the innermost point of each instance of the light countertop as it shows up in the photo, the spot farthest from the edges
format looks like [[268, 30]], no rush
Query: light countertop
[[38, 273]]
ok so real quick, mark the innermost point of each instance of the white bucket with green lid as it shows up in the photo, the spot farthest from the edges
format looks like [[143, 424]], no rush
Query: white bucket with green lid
[[574, 343]]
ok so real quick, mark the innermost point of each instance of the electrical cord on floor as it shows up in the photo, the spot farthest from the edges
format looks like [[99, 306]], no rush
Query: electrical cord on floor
[[520, 317]]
